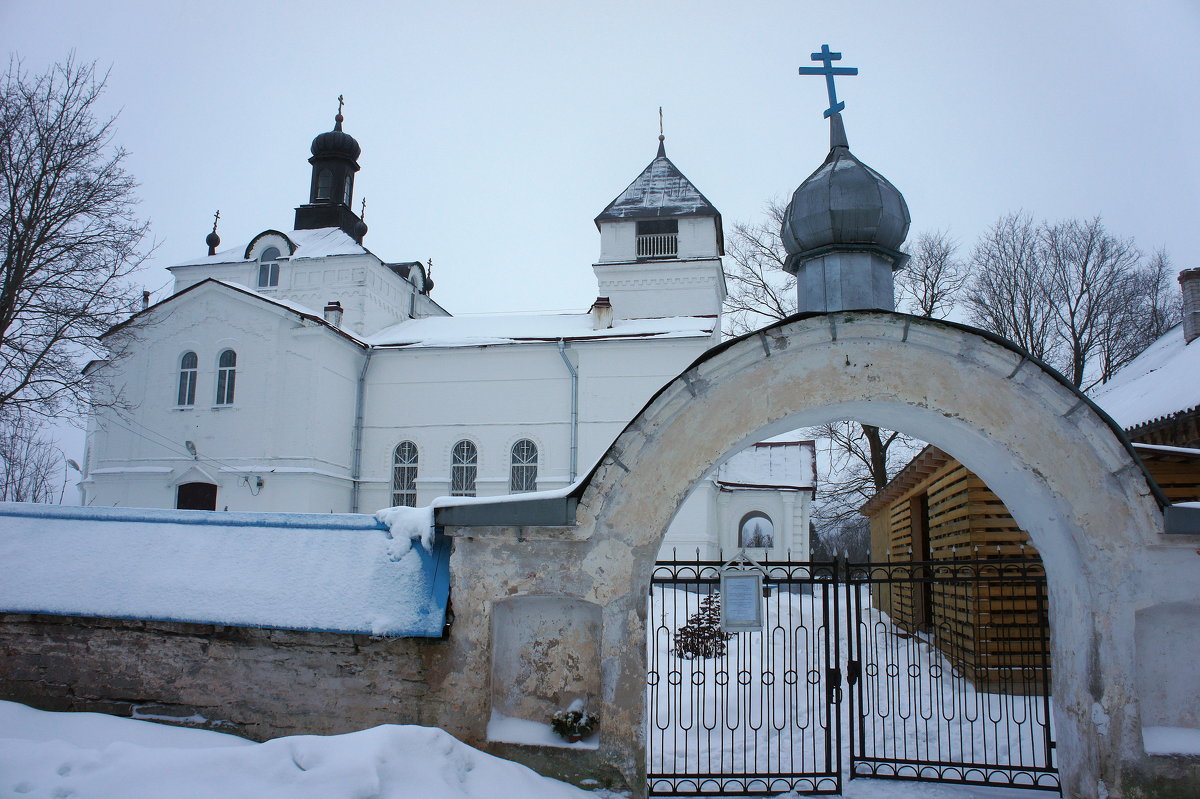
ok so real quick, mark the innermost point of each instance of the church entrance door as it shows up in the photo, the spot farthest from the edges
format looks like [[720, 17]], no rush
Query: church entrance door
[[196, 496]]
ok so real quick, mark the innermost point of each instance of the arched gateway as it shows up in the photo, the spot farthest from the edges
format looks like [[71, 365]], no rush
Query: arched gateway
[[557, 599], [1061, 465]]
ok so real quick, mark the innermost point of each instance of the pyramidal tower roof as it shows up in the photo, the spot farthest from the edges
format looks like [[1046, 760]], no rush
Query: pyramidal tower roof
[[660, 191]]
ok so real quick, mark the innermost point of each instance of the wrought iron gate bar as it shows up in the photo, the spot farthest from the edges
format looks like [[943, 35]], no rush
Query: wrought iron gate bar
[[945, 677], [953, 664], [746, 714]]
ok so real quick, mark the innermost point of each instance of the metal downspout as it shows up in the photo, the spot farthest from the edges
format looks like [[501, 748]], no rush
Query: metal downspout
[[359, 401], [562, 351]]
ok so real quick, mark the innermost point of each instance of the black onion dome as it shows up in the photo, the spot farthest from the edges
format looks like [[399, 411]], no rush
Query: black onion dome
[[336, 142], [844, 202]]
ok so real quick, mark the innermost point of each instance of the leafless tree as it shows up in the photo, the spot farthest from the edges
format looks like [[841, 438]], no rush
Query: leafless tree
[[30, 464], [861, 459], [69, 238], [930, 284], [1009, 289], [1070, 293], [1149, 305], [760, 292]]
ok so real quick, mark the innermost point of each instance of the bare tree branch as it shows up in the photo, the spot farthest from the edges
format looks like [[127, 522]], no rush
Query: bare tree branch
[[30, 464], [69, 239], [760, 292], [931, 282]]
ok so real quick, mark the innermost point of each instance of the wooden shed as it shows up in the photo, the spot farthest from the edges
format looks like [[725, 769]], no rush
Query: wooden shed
[[937, 513]]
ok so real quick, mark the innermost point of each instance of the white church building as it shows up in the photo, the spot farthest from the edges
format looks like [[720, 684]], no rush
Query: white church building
[[301, 372]]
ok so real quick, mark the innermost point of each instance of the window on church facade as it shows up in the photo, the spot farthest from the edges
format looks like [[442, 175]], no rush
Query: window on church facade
[[226, 372], [464, 465], [756, 530], [404, 475], [658, 238], [347, 190], [268, 268], [325, 185], [188, 366], [523, 472]]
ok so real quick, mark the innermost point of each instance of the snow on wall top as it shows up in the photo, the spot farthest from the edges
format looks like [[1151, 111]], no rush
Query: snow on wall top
[[771, 464], [661, 190], [1163, 380], [329, 572], [475, 331], [318, 243]]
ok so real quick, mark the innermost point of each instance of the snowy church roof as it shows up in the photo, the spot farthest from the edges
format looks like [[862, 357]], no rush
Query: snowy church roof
[[487, 329], [661, 190], [1162, 381], [771, 464], [328, 572], [318, 243]]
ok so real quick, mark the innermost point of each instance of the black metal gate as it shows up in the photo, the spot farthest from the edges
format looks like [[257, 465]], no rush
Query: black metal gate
[[943, 665], [752, 714], [949, 670]]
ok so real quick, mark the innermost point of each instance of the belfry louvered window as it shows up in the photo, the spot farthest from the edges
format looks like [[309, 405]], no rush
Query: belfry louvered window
[[464, 465], [404, 474]]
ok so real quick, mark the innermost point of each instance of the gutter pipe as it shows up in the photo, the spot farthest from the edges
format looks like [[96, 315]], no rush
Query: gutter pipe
[[359, 401], [562, 351]]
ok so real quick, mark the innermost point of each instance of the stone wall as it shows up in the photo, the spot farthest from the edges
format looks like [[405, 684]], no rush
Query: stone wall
[[256, 683]]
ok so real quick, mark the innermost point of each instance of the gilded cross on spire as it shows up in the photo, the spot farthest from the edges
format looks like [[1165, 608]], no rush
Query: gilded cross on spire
[[826, 57]]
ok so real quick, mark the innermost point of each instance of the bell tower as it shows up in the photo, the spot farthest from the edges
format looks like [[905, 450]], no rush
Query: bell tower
[[331, 191], [661, 243]]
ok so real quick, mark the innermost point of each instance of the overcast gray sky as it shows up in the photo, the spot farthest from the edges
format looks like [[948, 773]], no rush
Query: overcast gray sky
[[493, 132]]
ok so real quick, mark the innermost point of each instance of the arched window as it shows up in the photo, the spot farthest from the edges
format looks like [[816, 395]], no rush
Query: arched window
[[756, 530], [347, 190], [523, 473], [325, 185], [464, 464], [188, 365], [226, 372], [404, 474], [268, 268]]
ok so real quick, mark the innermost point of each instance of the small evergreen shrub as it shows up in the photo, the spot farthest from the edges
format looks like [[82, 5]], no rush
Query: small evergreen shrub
[[701, 636]]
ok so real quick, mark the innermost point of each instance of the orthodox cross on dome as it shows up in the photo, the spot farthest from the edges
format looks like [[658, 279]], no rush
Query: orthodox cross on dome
[[342, 100], [216, 218], [826, 57]]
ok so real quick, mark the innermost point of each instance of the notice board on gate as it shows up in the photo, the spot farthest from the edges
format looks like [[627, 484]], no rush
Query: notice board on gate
[[741, 600]]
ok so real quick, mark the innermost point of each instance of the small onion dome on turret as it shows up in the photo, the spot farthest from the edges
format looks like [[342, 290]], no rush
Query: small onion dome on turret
[[336, 143], [844, 205]]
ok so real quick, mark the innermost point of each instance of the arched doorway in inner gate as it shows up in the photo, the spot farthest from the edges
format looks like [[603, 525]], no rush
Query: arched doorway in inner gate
[[1065, 471]]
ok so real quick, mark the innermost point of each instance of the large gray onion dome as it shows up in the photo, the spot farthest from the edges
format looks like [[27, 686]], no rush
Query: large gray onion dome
[[844, 202], [336, 143]]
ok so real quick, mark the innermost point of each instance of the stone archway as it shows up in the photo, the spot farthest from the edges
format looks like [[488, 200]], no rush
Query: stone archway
[[1066, 472]]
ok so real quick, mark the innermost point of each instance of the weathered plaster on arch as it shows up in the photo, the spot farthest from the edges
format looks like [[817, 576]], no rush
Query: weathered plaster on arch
[[1065, 473]]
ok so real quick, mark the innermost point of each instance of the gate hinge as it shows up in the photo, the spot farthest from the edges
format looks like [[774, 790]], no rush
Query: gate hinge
[[833, 682], [853, 671]]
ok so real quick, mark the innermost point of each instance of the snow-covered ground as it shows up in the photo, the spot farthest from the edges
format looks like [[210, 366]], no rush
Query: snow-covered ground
[[93, 756]]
